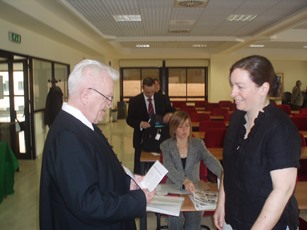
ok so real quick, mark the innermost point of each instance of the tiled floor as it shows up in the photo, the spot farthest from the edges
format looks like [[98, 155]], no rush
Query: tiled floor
[[20, 210]]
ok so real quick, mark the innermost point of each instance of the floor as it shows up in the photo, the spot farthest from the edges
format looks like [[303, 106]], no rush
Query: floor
[[20, 210]]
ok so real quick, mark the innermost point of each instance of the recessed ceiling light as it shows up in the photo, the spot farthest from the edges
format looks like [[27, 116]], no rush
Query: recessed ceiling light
[[199, 45], [191, 3], [127, 18], [241, 17], [142, 45], [256, 45], [305, 47]]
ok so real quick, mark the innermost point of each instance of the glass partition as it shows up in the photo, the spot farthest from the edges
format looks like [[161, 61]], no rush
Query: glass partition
[[41, 82], [61, 76]]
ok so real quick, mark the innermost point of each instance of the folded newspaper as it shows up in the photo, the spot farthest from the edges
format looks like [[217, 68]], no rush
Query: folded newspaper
[[204, 200]]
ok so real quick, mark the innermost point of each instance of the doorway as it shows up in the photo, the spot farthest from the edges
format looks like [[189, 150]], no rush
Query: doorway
[[15, 104]]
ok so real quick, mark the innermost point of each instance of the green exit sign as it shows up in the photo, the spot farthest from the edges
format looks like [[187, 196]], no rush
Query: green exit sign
[[13, 37]]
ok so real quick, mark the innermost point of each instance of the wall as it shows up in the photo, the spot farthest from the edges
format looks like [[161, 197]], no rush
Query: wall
[[219, 87], [36, 45]]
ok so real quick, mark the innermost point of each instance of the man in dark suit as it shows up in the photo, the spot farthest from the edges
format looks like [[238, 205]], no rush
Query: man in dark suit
[[83, 184], [138, 115]]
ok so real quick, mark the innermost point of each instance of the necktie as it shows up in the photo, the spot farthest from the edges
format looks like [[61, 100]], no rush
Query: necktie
[[150, 107]]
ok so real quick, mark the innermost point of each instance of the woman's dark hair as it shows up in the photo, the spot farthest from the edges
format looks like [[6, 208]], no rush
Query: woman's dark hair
[[260, 70]]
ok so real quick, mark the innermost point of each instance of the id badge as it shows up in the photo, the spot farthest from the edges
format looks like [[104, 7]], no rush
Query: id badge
[[158, 136]]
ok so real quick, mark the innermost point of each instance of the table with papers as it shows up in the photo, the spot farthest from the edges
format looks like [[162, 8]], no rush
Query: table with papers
[[183, 199]]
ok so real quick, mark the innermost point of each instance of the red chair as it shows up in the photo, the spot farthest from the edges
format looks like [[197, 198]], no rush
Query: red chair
[[220, 112], [205, 125], [188, 108], [226, 104], [214, 137], [194, 116], [300, 122], [201, 104], [203, 117], [303, 111], [302, 171], [211, 105], [178, 104], [286, 108], [227, 116]]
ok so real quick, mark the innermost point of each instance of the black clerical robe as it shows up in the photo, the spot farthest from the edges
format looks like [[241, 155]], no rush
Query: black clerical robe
[[83, 184]]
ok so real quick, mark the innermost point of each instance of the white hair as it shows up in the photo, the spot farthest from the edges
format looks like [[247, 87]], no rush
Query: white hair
[[77, 77]]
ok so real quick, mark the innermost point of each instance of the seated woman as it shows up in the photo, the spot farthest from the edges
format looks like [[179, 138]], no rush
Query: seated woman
[[181, 156]]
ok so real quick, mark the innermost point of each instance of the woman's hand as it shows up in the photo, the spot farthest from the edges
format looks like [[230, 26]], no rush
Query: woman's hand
[[219, 217], [189, 185]]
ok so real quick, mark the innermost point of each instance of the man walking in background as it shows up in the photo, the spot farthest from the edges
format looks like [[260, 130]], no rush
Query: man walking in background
[[297, 98], [141, 109]]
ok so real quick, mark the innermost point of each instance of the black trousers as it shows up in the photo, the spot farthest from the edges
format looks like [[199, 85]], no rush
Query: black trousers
[[137, 160]]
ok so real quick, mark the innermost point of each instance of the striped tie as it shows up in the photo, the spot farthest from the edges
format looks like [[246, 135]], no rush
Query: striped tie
[[150, 107]]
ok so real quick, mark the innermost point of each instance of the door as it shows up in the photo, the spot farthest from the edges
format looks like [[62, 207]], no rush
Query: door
[[14, 105]]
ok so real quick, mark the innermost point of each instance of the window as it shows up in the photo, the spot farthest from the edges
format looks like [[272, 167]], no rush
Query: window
[[187, 83], [184, 83], [132, 80]]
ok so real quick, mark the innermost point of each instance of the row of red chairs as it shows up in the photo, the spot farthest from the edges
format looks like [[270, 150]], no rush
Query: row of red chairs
[[205, 104], [287, 109]]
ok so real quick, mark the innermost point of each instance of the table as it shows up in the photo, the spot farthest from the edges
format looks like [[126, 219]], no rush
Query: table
[[304, 132], [300, 194], [199, 134], [195, 124], [146, 159], [187, 205]]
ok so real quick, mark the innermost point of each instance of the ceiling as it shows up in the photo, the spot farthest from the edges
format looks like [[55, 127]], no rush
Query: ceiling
[[278, 25]]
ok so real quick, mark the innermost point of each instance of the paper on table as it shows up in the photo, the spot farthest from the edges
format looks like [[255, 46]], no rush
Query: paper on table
[[164, 189], [152, 177], [204, 200], [166, 205]]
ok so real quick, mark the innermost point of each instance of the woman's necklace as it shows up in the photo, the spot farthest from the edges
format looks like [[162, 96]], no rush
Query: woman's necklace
[[183, 149]]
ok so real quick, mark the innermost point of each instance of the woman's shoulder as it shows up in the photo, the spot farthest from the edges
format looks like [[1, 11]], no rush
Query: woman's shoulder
[[195, 142], [167, 143]]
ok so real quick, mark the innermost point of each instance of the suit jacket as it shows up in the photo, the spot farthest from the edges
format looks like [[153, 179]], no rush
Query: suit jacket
[[197, 152], [137, 112], [83, 185]]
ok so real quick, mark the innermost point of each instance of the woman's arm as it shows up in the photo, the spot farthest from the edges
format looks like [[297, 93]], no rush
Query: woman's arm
[[283, 186], [219, 214]]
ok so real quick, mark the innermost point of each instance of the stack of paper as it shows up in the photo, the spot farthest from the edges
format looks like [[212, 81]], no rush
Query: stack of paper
[[169, 205], [204, 200]]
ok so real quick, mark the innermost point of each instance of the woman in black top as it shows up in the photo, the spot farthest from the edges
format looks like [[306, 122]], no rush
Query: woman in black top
[[261, 154]]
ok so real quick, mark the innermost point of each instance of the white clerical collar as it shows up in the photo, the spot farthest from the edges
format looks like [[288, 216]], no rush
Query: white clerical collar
[[77, 114]]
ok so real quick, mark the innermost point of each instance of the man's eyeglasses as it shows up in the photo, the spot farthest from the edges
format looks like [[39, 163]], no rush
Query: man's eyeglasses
[[110, 99]]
